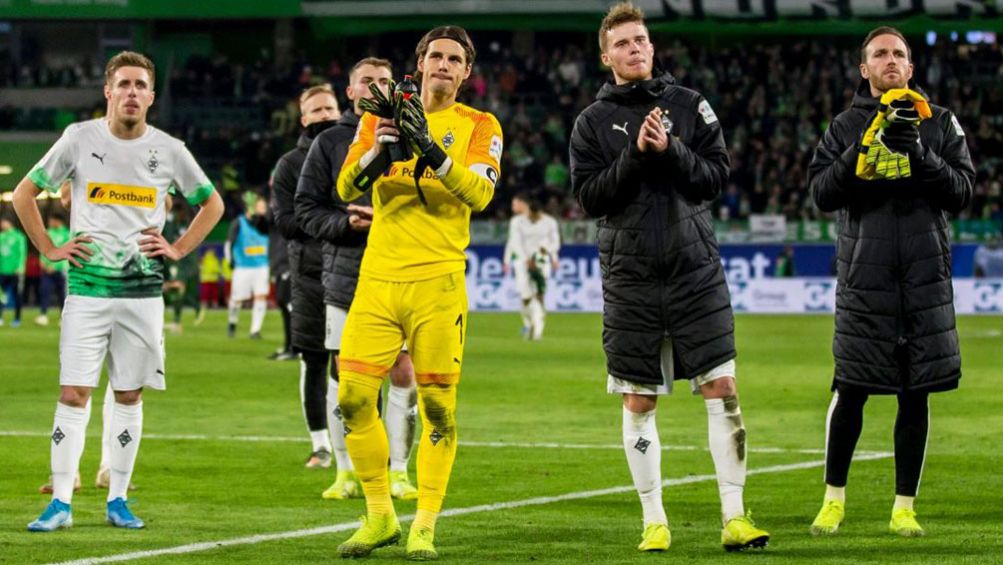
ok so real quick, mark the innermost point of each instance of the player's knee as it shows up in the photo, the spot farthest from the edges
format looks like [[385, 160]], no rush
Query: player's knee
[[402, 373], [128, 397], [357, 404], [639, 404], [75, 396], [438, 404], [719, 388]]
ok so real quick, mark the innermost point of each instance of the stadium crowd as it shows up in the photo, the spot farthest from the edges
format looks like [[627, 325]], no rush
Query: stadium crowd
[[773, 96]]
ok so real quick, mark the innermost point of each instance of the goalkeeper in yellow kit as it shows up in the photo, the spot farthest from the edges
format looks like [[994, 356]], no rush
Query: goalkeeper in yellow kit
[[411, 282]]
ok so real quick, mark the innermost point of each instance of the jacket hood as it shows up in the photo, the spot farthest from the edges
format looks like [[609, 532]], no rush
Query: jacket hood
[[862, 97], [637, 92]]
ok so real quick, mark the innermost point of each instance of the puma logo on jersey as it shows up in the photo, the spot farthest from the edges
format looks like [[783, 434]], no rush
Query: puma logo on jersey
[[99, 157], [622, 128]]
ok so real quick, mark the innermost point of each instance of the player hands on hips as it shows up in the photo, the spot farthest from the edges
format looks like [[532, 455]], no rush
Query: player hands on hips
[[121, 170], [411, 283], [645, 158]]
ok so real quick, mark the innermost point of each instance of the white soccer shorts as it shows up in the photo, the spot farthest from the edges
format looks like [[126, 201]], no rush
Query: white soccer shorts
[[334, 325], [524, 285], [129, 332], [616, 385], [248, 283]]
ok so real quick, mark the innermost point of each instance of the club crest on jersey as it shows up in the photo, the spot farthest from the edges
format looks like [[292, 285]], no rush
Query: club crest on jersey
[[447, 140], [152, 163], [121, 195]]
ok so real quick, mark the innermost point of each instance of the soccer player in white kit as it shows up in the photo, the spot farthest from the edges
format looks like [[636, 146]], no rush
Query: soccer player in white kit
[[531, 252], [120, 169]]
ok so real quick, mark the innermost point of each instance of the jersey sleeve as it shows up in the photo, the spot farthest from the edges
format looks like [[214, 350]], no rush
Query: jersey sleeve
[[189, 177], [553, 242], [58, 164], [365, 139], [473, 182]]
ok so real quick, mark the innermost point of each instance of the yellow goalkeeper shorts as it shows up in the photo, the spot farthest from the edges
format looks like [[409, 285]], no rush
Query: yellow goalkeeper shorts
[[430, 316]]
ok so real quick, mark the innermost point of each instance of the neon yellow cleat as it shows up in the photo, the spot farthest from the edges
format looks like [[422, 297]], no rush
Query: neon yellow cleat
[[376, 532], [400, 487], [904, 524], [656, 537], [345, 486], [829, 518], [420, 546], [740, 533]]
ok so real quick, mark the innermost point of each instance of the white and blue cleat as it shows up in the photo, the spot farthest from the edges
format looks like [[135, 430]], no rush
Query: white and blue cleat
[[120, 516], [56, 515]]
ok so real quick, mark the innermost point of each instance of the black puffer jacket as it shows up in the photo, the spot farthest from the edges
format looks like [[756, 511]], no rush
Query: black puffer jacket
[[305, 253], [661, 271], [895, 328], [323, 215]]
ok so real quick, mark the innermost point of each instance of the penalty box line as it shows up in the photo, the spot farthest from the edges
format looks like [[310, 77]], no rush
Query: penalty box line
[[494, 507], [491, 444]]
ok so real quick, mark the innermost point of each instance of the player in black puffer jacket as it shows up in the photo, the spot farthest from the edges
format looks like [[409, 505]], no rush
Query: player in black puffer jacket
[[895, 326]]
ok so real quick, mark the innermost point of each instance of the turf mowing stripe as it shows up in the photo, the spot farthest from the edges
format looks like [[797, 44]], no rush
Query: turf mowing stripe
[[543, 445], [537, 501]]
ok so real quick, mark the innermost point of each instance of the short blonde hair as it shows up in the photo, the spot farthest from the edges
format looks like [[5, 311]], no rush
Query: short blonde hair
[[315, 90], [619, 14], [129, 59]]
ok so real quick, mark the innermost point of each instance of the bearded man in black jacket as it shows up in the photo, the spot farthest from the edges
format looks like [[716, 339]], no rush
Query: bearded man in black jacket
[[319, 110], [646, 159], [895, 324]]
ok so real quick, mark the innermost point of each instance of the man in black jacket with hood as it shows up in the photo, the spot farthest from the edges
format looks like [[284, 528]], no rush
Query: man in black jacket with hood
[[318, 112], [646, 158], [344, 229], [895, 326]]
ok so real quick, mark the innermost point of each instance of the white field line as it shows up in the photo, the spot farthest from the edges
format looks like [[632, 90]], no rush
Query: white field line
[[494, 444], [537, 501]]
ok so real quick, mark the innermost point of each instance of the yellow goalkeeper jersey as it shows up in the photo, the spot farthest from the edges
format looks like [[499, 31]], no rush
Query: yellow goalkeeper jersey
[[408, 240]]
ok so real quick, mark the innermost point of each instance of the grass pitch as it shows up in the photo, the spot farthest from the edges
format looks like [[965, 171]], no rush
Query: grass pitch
[[537, 467]]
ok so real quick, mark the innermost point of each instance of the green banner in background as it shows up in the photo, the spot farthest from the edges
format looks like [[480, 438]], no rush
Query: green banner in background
[[146, 9]]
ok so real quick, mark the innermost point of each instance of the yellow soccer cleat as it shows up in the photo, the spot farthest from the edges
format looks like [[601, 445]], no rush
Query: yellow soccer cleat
[[400, 487], [656, 537], [740, 533], [376, 532], [904, 524], [420, 546], [829, 518], [346, 485]]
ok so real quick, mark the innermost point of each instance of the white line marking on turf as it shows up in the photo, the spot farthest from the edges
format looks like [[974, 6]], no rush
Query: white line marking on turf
[[537, 501], [494, 444]]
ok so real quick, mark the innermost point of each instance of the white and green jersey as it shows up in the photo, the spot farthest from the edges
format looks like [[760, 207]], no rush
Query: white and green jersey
[[118, 190]]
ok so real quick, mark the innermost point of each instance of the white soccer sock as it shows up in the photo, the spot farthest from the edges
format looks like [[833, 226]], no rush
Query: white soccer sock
[[258, 310], [106, 410], [68, 430], [537, 316], [527, 317], [319, 438], [399, 419], [644, 457], [337, 428], [836, 493], [903, 502], [127, 429], [233, 313], [726, 436]]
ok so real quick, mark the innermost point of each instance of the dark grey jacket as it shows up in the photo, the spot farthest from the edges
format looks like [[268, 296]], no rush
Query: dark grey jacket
[[322, 214], [895, 326], [305, 254], [661, 271]]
